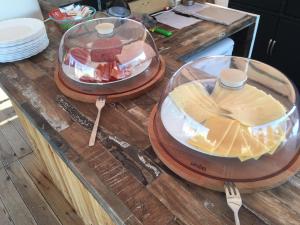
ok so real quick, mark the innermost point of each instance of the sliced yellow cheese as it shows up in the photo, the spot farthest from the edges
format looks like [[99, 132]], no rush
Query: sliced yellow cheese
[[225, 146], [261, 111], [194, 100], [239, 147], [274, 148], [231, 136], [202, 94], [249, 105], [271, 137], [202, 143], [224, 96], [218, 128], [256, 148]]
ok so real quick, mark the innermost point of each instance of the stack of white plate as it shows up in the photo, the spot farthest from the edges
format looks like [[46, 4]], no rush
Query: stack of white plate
[[21, 38]]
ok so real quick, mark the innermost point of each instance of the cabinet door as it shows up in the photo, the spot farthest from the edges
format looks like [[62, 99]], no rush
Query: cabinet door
[[266, 31], [285, 55], [271, 5], [292, 8]]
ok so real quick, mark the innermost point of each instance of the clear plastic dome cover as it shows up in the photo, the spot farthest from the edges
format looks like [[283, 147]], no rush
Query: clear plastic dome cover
[[104, 54], [236, 117]]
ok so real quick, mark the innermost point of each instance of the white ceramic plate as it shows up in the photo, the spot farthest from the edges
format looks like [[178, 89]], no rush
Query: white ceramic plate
[[20, 30], [26, 51], [28, 54], [25, 47]]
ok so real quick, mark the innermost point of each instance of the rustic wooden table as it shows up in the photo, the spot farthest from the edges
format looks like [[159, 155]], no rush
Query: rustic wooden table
[[120, 180]]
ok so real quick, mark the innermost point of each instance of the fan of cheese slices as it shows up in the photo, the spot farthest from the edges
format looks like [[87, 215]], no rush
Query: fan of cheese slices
[[231, 118]]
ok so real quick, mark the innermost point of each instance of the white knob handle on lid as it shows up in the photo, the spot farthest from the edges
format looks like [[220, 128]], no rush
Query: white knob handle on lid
[[233, 78], [105, 28]]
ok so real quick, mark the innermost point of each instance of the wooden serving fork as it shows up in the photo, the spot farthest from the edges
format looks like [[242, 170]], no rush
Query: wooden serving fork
[[100, 103]]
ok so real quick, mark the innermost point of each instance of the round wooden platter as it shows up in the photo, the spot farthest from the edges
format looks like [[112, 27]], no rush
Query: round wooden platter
[[133, 92], [210, 182]]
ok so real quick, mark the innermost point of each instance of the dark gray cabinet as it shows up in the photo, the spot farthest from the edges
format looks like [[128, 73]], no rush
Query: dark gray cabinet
[[277, 41], [292, 8], [272, 5], [286, 49]]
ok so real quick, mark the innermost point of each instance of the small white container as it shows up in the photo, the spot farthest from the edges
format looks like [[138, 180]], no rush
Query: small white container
[[20, 9]]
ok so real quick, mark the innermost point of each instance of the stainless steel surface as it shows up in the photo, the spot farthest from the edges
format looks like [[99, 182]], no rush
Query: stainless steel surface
[[188, 2], [270, 41], [272, 47], [234, 199]]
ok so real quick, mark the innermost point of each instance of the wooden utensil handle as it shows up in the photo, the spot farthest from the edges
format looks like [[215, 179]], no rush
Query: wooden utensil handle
[[95, 128]]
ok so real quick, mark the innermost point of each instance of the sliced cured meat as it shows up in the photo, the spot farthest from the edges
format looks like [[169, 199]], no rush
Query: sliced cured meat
[[76, 55], [109, 71], [104, 72], [116, 72], [88, 79], [105, 50], [135, 52]]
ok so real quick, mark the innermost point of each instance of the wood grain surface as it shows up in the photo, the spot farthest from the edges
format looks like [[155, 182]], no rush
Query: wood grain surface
[[27, 195], [121, 175]]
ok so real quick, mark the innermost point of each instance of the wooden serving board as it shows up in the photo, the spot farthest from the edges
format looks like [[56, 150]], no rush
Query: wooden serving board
[[158, 141], [133, 91]]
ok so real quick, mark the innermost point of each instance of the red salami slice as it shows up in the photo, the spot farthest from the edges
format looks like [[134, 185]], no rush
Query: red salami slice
[[103, 72], [116, 72], [98, 73], [105, 50], [76, 55], [88, 79]]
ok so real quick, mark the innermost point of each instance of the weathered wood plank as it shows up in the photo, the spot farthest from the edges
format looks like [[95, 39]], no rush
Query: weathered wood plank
[[7, 154], [18, 144], [216, 203], [115, 125], [3, 95], [32, 70], [289, 193], [7, 112], [4, 216], [9, 82], [62, 209], [181, 202], [119, 180], [16, 123], [34, 201], [271, 209], [213, 201], [13, 202], [64, 178], [31, 90]]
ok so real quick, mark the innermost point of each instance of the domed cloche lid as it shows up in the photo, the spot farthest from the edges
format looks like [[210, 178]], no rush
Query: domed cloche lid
[[105, 51], [231, 107]]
